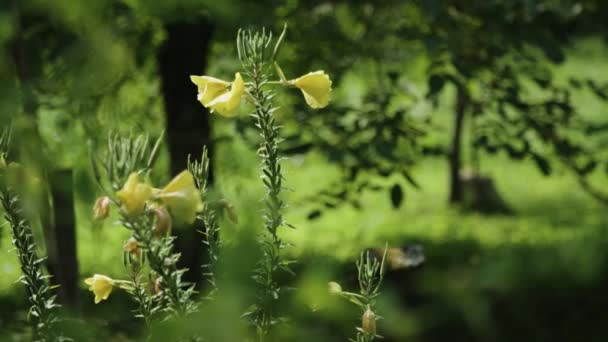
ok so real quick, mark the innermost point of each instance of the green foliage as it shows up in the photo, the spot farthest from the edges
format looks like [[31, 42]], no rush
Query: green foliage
[[42, 313], [43, 309]]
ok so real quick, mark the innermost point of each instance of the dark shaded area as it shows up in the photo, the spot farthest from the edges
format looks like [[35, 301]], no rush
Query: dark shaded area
[[61, 239], [185, 53]]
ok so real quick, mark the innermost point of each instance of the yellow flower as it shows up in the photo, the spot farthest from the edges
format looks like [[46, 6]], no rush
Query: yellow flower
[[316, 87], [208, 88], [214, 94], [134, 195], [101, 286], [182, 198]]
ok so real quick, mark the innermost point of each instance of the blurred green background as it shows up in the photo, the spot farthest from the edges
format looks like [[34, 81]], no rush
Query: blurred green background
[[475, 129]]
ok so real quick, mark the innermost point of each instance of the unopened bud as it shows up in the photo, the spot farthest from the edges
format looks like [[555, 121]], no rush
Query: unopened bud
[[158, 286], [131, 246], [101, 209], [334, 288], [230, 211], [163, 223], [368, 322]]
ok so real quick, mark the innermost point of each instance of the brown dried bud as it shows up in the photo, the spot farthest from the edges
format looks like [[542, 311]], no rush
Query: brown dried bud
[[163, 223], [101, 209], [131, 246], [368, 322]]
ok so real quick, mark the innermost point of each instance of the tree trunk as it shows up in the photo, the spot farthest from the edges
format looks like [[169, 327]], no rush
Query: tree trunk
[[61, 238], [454, 157], [184, 53]]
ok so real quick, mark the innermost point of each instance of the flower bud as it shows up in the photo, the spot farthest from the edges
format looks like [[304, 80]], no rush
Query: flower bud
[[163, 222], [101, 209], [368, 322], [230, 211], [158, 286], [334, 288], [131, 246]]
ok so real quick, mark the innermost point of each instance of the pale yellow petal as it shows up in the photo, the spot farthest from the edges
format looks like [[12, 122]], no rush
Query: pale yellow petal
[[316, 88], [133, 195], [228, 103], [182, 198]]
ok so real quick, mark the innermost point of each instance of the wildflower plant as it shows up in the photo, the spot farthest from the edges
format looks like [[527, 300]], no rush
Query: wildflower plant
[[258, 57], [155, 282], [200, 170], [370, 272], [43, 308]]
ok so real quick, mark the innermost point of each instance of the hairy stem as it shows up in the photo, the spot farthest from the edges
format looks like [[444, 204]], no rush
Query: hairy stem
[[41, 314]]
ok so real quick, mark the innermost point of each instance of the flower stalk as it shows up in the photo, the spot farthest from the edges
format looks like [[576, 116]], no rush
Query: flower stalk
[[42, 314], [252, 51], [201, 172], [370, 272]]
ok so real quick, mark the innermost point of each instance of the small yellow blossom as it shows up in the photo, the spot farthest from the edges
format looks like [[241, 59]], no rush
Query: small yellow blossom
[[134, 195], [182, 198], [316, 87], [214, 94], [101, 210], [101, 286]]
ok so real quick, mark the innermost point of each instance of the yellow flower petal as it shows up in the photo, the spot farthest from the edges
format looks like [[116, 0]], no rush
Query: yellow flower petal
[[133, 195], [182, 198], [316, 87], [227, 103], [101, 286], [209, 88]]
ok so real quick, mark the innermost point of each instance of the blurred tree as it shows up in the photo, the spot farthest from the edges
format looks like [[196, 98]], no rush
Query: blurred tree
[[67, 59], [184, 53], [497, 57]]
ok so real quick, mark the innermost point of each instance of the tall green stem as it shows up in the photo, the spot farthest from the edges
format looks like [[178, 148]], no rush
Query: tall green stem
[[273, 182], [42, 302]]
